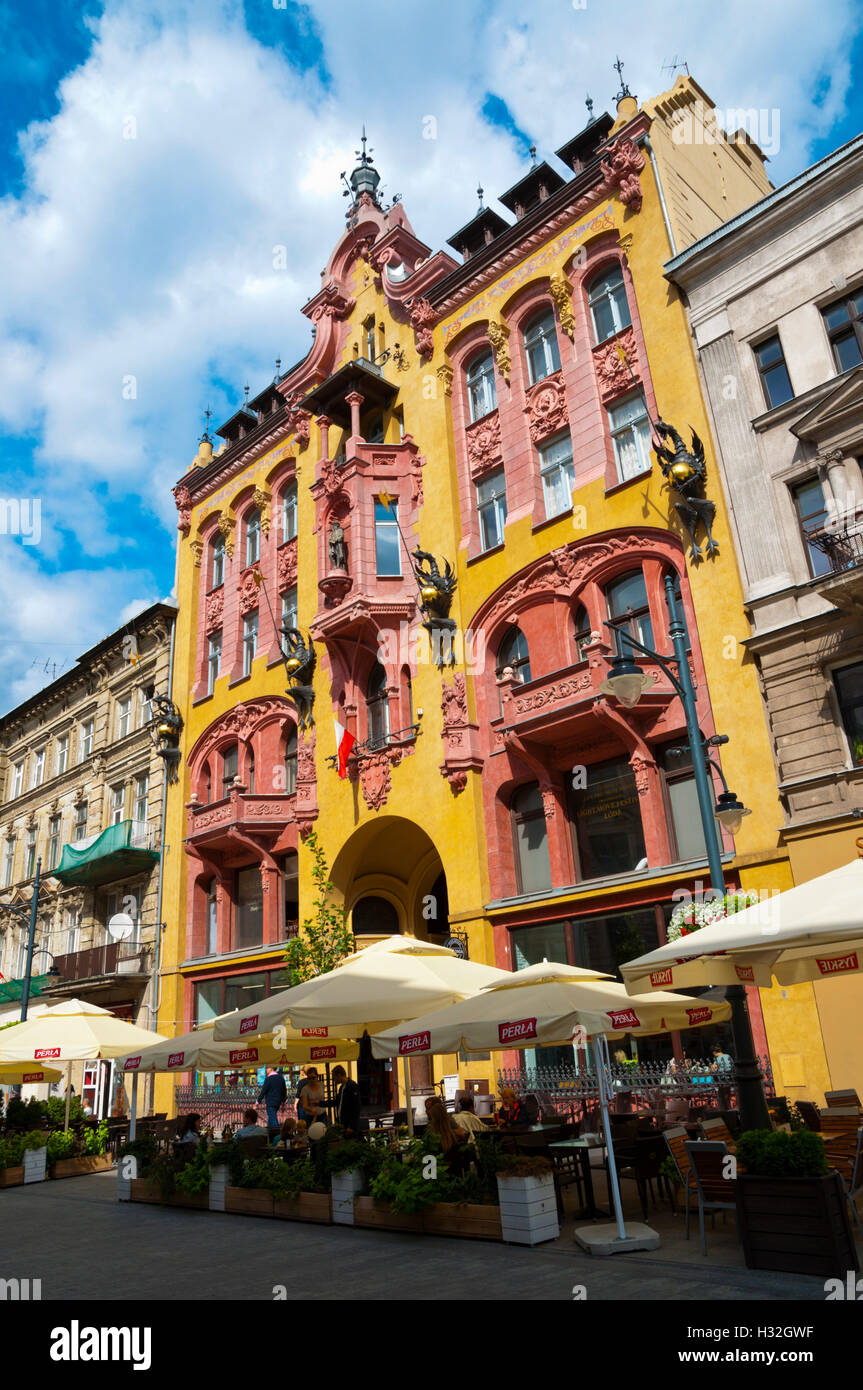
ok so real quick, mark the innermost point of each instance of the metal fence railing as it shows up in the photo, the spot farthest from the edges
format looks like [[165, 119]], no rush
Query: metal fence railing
[[220, 1106]]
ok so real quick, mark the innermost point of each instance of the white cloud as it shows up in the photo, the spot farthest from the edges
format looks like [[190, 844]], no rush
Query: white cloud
[[151, 258]]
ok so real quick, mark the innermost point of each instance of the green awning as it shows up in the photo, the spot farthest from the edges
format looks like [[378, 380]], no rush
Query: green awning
[[12, 990], [119, 850]]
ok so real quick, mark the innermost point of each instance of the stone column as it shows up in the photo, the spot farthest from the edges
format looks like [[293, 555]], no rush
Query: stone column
[[270, 880], [652, 808], [355, 400], [324, 423]]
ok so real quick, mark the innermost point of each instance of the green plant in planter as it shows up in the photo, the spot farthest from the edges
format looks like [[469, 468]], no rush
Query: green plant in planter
[[194, 1176], [280, 1178], [54, 1110], [524, 1166], [24, 1114], [12, 1151], [144, 1150], [164, 1173], [96, 1140], [774, 1154], [62, 1143], [345, 1154]]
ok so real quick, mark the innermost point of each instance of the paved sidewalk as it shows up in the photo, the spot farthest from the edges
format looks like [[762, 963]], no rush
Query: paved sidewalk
[[84, 1244]]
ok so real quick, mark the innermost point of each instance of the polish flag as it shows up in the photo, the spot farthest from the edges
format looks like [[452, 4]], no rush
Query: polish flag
[[344, 744]]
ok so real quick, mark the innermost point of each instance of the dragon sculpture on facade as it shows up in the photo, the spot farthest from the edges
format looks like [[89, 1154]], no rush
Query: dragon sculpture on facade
[[436, 595], [299, 655], [686, 472]]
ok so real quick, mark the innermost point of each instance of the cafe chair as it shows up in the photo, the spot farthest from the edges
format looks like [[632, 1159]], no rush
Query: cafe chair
[[808, 1112], [718, 1129], [714, 1192], [640, 1160], [254, 1145], [676, 1141], [841, 1098]]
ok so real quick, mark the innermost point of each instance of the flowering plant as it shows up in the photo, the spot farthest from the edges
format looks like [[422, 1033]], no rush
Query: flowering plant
[[689, 917]]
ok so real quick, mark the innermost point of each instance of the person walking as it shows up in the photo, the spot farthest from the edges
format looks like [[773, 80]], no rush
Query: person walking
[[273, 1095]]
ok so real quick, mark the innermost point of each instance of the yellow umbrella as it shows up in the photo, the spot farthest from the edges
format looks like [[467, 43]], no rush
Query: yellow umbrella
[[27, 1073], [73, 1031]]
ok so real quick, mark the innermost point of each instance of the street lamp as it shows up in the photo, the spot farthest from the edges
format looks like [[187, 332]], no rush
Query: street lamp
[[31, 938], [627, 684]]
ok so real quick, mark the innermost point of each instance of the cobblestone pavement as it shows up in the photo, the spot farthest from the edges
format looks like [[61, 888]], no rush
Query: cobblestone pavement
[[83, 1244]]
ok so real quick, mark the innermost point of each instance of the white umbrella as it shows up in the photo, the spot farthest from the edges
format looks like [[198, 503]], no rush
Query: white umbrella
[[550, 1004], [811, 932], [199, 1051], [70, 1032]]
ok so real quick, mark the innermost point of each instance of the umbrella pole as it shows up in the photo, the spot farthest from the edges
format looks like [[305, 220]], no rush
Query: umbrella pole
[[133, 1109], [68, 1093], [599, 1059], [408, 1100]]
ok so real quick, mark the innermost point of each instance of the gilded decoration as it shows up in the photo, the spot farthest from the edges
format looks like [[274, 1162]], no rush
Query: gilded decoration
[[561, 294], [497, 336], [612, 372], [444, 375], [545, 407], [262, 500], [226, 525]]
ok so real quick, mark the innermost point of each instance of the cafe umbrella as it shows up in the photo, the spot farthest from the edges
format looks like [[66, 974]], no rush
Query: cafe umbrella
[[27, 1073], [73, 1031], [386, 983], [551, 1004]]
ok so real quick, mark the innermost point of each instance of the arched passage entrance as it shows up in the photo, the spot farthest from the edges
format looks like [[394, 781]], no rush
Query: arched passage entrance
[[392, 880]]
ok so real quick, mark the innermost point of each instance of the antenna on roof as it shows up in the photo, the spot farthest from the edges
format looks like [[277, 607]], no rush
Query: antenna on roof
[[205, 437], [676, 65]]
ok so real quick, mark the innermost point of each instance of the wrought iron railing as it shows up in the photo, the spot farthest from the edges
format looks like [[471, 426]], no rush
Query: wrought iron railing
[[567, 1090], [391, 739], [843, 547], [224, 1105], [112, 958]]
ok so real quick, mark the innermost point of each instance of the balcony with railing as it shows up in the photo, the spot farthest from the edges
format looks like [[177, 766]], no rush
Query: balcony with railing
[[842, 544], [129, 847], [111, 958]]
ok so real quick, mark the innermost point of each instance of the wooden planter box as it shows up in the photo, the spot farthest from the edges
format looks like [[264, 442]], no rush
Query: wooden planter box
[[74, 1167], [249, 1201], [307, 1206], [142, 1190], [799, 1225], [465, 1219], [12, 1177], [381, 1217]]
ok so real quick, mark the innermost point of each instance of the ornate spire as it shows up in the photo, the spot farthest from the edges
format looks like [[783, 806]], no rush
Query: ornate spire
[[365, 177], [588, 101], [479, 192], [624, 90]]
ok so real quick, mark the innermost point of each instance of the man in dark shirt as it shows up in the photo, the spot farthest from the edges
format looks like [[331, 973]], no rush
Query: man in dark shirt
[[347, 1102], [274, 1093]]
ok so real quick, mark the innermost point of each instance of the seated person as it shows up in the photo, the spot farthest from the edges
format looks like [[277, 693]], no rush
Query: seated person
[[453, 1141], [465, 1119], [312, 1099], [251, 1129], [512, 1111], [189, 1130]]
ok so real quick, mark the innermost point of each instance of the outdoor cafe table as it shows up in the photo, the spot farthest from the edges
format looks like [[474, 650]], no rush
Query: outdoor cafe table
[[582, 1149]]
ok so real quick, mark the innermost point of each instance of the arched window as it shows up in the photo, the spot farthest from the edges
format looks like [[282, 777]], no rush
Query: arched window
[[581, 632], [375, 917], [253, 536], [481, 390], [212, 919], [627, 598], [217, 560], [377, 706], [289, 511], [609, 307], [230, 764], [541, 346], [291, 763], [513, 652], [530, 834]]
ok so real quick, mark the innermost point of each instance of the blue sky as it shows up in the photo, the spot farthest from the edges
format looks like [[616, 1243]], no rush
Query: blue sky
[[152, 154]]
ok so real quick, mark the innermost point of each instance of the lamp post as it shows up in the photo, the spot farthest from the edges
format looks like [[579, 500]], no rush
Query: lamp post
[[627, 683], [34, 908]]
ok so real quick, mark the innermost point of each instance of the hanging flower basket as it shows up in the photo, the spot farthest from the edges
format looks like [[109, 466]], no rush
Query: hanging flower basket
[[691, 917]]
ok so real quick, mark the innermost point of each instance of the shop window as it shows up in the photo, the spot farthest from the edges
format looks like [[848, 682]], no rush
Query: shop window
[[374, 917], [606, 821], [687, 833], [530, 834], [533, 945], [605, 941]]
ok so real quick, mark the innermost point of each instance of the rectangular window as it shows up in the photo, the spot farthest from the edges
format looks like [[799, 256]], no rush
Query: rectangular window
[[811, 517], [371, 351], [72, 931], [214, 660], [558, 475], [491, 507], [30, 853], [146, 705], [86, 739], [849, 688], [685, 815], [387, 555], [289, 512], [118, 804], [124, 716], [18, 779], [61, 760], [250, 641], [533, 945], [142, 789], [8, 863], [81, 821], [250, 911], [53, 843], [606, 816], [630, 434], [38, 768], [627, 598], [844, 323], [289, 608], [775, 381]]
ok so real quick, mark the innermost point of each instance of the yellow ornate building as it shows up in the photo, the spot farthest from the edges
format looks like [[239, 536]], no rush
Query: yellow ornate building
[[496, 412]]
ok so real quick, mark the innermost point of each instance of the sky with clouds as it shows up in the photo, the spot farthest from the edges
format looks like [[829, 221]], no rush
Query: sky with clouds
[[154, 152]]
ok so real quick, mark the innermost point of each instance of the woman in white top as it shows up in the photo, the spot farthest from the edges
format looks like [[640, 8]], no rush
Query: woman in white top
[[311, 1099]]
